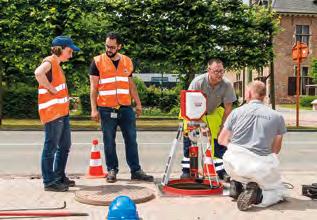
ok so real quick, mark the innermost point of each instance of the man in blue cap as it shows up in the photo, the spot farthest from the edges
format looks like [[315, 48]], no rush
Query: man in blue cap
[[53, 105]]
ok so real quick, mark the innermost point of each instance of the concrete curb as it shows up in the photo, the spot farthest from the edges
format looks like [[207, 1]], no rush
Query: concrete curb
[[139, 129]]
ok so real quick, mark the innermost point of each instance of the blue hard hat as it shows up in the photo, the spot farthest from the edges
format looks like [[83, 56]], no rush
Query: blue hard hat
[[64, 41], [122, 208]]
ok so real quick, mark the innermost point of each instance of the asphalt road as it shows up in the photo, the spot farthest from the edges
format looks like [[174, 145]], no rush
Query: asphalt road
[[20, 152]]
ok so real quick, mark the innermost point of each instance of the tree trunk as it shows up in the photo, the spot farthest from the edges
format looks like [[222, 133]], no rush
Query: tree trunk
[[243, 84], [190, 75], [1, 92], [272, 88]]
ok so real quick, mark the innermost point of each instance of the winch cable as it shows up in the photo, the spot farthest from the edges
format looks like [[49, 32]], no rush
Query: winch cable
[[288, 185]]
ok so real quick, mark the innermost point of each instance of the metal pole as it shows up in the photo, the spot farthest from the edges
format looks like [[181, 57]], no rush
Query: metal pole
[[297, 82], [33, 209], [43, 214]]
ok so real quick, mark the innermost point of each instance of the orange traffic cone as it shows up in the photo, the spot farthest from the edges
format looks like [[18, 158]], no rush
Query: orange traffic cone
[[95, 164], [209, 168]]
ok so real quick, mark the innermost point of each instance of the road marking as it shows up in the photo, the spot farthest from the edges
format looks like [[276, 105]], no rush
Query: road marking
[[36, 144], [147, 143]]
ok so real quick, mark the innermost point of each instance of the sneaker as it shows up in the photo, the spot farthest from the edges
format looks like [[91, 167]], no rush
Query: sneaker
[[56, 187], [236, 188], [69, 182], [112, 176], [141, 175], [251, 195], [185, 175]]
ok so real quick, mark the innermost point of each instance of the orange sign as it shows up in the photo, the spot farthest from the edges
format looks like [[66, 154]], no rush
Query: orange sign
[[300, 51]]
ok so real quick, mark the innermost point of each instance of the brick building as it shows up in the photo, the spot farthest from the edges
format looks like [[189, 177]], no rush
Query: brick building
[[298, 22]]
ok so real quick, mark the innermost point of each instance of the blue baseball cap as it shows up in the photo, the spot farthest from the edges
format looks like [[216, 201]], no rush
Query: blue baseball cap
[[64, 41]]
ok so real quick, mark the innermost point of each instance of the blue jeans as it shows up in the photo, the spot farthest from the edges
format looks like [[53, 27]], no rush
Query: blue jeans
[[125, 118], [56, 149]]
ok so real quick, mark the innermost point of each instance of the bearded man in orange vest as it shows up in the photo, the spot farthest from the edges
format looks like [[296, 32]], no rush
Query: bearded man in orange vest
[[111, 91], [53, 104]]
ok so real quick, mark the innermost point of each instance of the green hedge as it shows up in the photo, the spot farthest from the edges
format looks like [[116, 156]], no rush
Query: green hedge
[[305, 101], [20, 102], [165, 100], [85, 103]]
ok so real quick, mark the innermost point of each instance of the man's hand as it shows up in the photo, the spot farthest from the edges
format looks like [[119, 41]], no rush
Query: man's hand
[[52, 90], [138, 109], [95, 115]]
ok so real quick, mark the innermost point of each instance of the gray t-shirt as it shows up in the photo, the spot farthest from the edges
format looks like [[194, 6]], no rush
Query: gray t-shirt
[[254, 126], [221, 93]]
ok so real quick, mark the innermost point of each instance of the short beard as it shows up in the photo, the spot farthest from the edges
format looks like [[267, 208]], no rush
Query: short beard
[[111, 56]]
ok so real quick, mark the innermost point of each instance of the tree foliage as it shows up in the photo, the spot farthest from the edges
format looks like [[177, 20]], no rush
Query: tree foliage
[[313, 71], [187, 33], [28, 27], [163, 35]]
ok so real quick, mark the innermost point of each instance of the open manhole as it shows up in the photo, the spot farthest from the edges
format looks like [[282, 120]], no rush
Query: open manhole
[[192, 187], [189, 186]]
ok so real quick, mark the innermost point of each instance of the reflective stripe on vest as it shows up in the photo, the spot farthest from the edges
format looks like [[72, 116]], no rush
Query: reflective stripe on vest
[[53, 102], [113, 86], [114, 92], [54, 106], [114, 79], [58, 88]]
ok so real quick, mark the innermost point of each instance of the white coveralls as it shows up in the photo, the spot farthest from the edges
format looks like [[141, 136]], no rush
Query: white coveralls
[[245, 166]]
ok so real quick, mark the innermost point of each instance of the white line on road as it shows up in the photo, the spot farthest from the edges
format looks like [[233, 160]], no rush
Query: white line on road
[[146, 143], [36, 144]]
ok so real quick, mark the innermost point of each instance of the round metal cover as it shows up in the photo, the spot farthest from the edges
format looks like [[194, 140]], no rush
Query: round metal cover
[[104, 195]]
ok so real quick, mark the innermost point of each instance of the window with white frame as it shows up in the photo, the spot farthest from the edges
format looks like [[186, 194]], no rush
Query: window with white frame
[[303, 72], [305, 79], [302, 34]]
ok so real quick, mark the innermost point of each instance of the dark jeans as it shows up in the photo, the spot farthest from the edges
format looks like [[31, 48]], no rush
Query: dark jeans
[[125, 118], [56, 149]]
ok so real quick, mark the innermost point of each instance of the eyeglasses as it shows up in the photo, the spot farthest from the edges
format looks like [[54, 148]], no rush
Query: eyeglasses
[[111, 47], [216, 72]]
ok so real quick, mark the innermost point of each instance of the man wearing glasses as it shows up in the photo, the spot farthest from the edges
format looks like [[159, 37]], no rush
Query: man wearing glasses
[[220, 96], [111, 92]]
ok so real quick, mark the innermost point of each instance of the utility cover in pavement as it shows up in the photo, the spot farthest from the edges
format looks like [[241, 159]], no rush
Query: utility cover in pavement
[[104, 195]]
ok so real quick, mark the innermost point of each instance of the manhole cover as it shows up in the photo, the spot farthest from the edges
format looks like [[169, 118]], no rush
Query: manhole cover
[[104, 195]]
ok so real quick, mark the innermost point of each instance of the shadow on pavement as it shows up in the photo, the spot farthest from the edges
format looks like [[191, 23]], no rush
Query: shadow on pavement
[[290, 204]]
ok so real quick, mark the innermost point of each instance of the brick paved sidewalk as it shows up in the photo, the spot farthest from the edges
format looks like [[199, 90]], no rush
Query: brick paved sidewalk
[[23, 192]]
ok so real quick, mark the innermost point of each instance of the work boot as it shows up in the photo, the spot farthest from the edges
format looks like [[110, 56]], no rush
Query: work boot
[[251, 195], [141, 175], [56, 187], [223, 176], [69, 182], [236, 188], [185, 175], [112, 176]]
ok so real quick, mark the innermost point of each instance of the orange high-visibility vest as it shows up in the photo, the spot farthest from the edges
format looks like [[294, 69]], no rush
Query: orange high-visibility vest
[[113, 86], [52, 106]]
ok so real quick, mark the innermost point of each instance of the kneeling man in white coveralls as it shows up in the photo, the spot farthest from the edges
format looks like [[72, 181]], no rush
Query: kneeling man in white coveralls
[[253, 134]]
